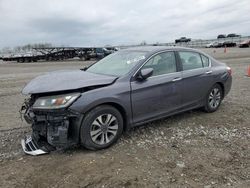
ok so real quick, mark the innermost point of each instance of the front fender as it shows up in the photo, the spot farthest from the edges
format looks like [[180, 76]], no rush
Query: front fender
[[117, 94]]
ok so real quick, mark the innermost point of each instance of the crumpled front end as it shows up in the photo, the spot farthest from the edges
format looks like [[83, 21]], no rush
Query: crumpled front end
[[51, 129]]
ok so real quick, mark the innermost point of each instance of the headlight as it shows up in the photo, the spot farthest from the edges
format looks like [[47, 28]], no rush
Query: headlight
[[56, 101]]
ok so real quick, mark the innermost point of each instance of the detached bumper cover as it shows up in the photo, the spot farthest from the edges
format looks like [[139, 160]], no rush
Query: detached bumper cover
[[31, 147]]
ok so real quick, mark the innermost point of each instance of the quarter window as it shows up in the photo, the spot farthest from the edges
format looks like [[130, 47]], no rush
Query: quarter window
[[190, 60], [205, 61], [162, 63]]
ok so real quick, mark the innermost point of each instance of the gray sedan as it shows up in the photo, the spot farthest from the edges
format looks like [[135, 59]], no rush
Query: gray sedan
[[93, 106]]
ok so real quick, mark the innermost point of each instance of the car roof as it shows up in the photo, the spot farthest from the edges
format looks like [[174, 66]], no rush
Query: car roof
[[155, 49], [150, 50]]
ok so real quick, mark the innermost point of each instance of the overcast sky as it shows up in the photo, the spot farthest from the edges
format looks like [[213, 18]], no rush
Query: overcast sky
[[116, 22]]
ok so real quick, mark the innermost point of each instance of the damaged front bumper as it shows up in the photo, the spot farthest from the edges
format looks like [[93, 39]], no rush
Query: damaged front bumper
[[51, 129], [31, 147]]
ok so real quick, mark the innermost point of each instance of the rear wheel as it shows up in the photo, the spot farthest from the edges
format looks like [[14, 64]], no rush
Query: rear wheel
[[101, 127], [213, 98]]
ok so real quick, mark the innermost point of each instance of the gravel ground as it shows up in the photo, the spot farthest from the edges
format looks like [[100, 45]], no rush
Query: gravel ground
[[192, 149]]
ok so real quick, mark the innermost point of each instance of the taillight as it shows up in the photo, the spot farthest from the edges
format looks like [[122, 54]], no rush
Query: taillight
[[229, 70]]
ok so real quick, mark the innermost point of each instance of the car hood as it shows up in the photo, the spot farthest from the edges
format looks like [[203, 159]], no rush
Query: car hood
[[66, 80]]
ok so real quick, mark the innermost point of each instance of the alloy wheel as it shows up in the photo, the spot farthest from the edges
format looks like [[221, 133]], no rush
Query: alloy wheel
[[214, 98], [103, 129]]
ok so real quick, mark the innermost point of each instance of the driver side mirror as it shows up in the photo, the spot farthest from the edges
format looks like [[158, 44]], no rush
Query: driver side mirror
[[145, 73]]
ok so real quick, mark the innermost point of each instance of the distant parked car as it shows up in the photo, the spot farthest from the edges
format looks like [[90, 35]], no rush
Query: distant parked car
[[183, 39], [112, 49], [218, 44], [221, 36], [102, 52], [98, 53], [245, 44], [212, 45], [229, 44], [232, 35]]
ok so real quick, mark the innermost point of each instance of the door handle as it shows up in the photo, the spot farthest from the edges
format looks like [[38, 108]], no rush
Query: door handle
[[209, 72], [176, 79]]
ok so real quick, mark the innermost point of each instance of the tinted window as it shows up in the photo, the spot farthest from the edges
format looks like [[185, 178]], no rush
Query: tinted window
[[205, 61], [190, 60], [162, 63]]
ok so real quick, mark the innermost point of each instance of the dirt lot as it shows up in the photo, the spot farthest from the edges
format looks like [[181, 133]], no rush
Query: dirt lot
[[193, 149]]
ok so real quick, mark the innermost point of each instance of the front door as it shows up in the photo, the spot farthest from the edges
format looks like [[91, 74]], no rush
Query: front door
[[159, 94]]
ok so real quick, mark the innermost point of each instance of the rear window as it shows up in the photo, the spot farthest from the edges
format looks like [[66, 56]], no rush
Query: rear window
[[190, 60], [205, 61]]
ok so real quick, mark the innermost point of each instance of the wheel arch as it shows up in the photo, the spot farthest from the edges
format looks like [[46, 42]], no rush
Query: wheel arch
[[123, 112], [120, 108], [222, 87]]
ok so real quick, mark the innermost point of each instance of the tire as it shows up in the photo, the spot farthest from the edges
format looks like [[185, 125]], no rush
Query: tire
[[101, 127], [213, 98]]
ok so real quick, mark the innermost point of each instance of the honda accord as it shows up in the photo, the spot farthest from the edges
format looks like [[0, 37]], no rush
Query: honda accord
[[92, 107]]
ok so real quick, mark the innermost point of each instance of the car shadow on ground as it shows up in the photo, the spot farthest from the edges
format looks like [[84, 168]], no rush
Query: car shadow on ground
[[144, 129]]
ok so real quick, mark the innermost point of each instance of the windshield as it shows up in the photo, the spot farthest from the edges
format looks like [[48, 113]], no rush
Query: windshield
[[117, 64]]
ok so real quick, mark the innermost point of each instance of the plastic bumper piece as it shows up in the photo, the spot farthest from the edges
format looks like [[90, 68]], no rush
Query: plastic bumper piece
[[31, 147]]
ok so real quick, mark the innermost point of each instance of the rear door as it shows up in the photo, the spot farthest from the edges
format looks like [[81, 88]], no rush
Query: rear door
[[160, 93], [196, 77]]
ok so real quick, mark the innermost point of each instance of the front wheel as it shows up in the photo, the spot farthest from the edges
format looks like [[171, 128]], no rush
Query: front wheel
[[101, 127], [213, 98]]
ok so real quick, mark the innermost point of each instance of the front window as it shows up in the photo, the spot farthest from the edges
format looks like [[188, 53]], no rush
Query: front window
[[162, 63], [117, 64]]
